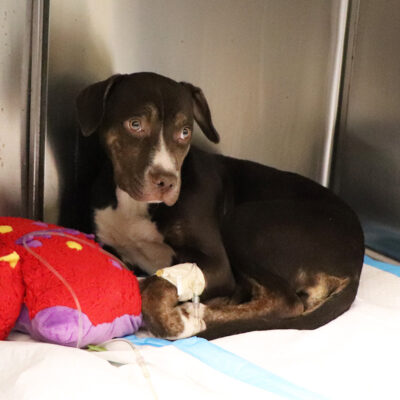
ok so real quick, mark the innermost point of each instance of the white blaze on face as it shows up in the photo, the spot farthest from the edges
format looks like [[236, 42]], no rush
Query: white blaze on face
[[163, 158]]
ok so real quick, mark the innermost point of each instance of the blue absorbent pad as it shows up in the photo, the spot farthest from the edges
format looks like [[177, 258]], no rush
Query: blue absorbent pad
[[393, 269], [232, 365]]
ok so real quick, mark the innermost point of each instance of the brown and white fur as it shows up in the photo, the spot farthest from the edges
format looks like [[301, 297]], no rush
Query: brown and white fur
[[276, 250]]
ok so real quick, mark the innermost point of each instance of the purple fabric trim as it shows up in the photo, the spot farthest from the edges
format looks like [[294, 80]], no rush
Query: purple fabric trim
[[44, 234], [31, 241], [115, 263], [40, 223], [28, 238], [34, 243], [67, 230], [60, 324]]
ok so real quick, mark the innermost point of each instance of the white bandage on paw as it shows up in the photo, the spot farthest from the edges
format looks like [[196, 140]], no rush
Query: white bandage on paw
[[187, 277]]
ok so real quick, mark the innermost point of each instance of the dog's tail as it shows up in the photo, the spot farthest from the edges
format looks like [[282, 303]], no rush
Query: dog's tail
[[333, 307]]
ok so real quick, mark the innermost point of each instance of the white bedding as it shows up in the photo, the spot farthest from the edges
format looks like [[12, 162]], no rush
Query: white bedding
[[354, 357]]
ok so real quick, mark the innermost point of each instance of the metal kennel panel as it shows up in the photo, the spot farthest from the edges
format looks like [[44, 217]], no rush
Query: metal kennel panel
[[367, 160], [269, 68], [14, 66]]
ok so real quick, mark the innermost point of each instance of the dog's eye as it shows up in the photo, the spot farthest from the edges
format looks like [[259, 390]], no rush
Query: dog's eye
[[185, 134], [135, 125]]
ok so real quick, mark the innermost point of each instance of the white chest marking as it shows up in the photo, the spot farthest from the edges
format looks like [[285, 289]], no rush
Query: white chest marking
[[129, 230]]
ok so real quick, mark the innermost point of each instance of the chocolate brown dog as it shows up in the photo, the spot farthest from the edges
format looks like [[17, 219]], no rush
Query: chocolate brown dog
[[275, 249]]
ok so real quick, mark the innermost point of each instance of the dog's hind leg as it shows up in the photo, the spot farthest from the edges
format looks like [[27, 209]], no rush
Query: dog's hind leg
[[274, 301], [300, 264], [224, 321], [271, 305]]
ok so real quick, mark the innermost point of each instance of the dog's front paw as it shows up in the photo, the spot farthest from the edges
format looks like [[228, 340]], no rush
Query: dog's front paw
[[187, 278], [164, 316], [192, 318]]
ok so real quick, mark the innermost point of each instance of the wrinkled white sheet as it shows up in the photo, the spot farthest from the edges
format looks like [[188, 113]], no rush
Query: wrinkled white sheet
[[354, 357]]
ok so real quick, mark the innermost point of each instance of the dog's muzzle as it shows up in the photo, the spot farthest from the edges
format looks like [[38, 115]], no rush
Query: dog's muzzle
[[162, 186]]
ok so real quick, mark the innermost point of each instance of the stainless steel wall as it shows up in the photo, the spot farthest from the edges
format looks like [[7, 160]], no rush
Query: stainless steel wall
[[269, 69], [367, 173], [14, 62]]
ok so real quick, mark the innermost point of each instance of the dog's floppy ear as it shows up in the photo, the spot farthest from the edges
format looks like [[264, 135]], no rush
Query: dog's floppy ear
[[202, 113], [90, 104]]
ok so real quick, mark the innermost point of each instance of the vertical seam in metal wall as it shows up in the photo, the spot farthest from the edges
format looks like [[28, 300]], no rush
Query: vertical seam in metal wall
[[37, 106], [335, 92], [349, 52], [26, 79]]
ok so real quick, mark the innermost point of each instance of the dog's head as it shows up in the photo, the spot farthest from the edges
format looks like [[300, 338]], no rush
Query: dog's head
[[145, 123]]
